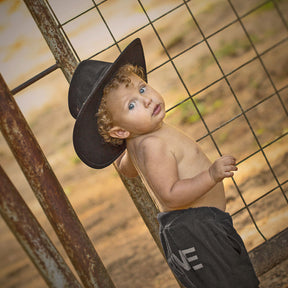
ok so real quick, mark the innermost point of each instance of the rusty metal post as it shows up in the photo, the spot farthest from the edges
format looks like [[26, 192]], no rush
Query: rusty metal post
[[54, 38], [270, 253], [144, 204], [50, 194], [33, 238]]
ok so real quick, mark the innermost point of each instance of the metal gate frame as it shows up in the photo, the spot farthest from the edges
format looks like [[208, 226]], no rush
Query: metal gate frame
[[53, 199]]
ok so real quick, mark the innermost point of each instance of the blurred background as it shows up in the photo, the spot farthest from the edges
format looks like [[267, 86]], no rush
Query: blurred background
[[221, 67]]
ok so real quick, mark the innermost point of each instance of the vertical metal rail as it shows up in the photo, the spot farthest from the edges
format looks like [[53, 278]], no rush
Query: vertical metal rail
[[145, 205], [33, 238], [50, 194]]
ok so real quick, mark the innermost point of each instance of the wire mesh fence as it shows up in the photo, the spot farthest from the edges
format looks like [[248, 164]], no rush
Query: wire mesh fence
[[222, 69], [221, 66]]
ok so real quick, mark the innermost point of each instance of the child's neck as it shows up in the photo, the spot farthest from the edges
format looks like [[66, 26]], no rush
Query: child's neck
[[155, 130]]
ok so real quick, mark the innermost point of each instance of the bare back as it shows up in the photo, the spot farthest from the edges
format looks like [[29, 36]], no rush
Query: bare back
[[168, 154]]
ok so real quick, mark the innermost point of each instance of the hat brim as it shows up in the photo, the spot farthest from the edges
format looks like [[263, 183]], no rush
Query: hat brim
[[88, 143]]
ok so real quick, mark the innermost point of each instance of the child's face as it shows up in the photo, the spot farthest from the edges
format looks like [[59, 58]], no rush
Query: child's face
[[137, 109]]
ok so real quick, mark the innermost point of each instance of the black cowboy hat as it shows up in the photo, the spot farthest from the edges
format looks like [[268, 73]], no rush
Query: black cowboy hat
[[84, 98]]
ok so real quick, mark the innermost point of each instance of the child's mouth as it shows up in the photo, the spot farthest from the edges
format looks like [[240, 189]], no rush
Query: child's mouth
[[156, 110]]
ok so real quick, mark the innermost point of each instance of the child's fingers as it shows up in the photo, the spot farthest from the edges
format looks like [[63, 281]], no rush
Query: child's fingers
[[229, 159], [228, 170], [231, 168], [228, 174]]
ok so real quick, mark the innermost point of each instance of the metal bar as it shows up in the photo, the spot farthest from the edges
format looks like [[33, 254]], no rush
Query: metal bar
[[51, 33], [33, 238], [81, 14], [280, 14], [106, 25], [34, 79], [145, 205], [61, 30], [50, 194], [261, 197], [269, 254]]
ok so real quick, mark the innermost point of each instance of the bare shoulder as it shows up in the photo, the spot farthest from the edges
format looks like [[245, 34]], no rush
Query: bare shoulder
[[152, 151], [152, 144]]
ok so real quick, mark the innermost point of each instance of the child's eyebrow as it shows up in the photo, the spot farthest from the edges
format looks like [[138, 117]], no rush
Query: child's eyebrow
[[141, 82]]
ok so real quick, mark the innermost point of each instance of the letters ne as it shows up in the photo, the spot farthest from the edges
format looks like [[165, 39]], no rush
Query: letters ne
[[185, 259]]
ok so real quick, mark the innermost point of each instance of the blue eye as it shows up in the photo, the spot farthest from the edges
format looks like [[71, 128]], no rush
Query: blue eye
[[131, 106], [142, 90]]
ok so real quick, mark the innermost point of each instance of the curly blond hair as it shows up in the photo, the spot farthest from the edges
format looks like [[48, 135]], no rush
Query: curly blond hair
[[104, 117]]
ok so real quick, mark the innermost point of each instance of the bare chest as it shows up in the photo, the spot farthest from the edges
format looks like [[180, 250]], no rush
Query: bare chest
[[189, 156]]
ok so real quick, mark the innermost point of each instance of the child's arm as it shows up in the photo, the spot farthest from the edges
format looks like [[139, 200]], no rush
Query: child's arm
[[125, 165], [161, 171]]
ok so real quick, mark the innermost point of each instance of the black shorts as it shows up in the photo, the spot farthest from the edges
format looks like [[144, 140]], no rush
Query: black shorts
[[203, 249]]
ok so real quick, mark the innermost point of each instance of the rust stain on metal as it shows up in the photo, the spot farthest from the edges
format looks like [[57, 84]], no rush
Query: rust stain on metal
[[50, 193], [53, 36], [32, 237], [270, 253], [144, 205]]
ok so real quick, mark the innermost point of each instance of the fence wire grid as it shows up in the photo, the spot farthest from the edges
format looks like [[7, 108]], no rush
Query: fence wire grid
[[247, 42], [222, 69]]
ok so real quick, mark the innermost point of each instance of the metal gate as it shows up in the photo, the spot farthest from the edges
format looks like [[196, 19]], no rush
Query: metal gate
[[47, 188]]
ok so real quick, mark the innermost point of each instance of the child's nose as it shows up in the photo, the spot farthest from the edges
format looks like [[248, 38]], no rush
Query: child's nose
[[147, 101]]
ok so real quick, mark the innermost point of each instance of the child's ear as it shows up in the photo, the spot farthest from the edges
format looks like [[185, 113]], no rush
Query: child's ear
[[118, 132]]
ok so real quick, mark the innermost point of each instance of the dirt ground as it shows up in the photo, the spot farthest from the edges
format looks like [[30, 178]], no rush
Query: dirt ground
[[99, 197]]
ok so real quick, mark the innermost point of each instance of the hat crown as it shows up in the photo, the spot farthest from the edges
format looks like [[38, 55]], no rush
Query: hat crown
[[86, 76]]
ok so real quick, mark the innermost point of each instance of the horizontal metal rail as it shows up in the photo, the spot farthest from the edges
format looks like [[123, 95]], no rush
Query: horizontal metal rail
[[34, 79]]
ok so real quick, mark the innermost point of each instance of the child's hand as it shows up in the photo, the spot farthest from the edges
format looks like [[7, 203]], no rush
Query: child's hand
[[222, 168]]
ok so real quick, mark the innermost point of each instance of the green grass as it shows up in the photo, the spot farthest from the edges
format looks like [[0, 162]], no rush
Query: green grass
[[228, 49], [266, 7], [217, 104], [260, 131], [188, 112], [175, 41], [234, 48]]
